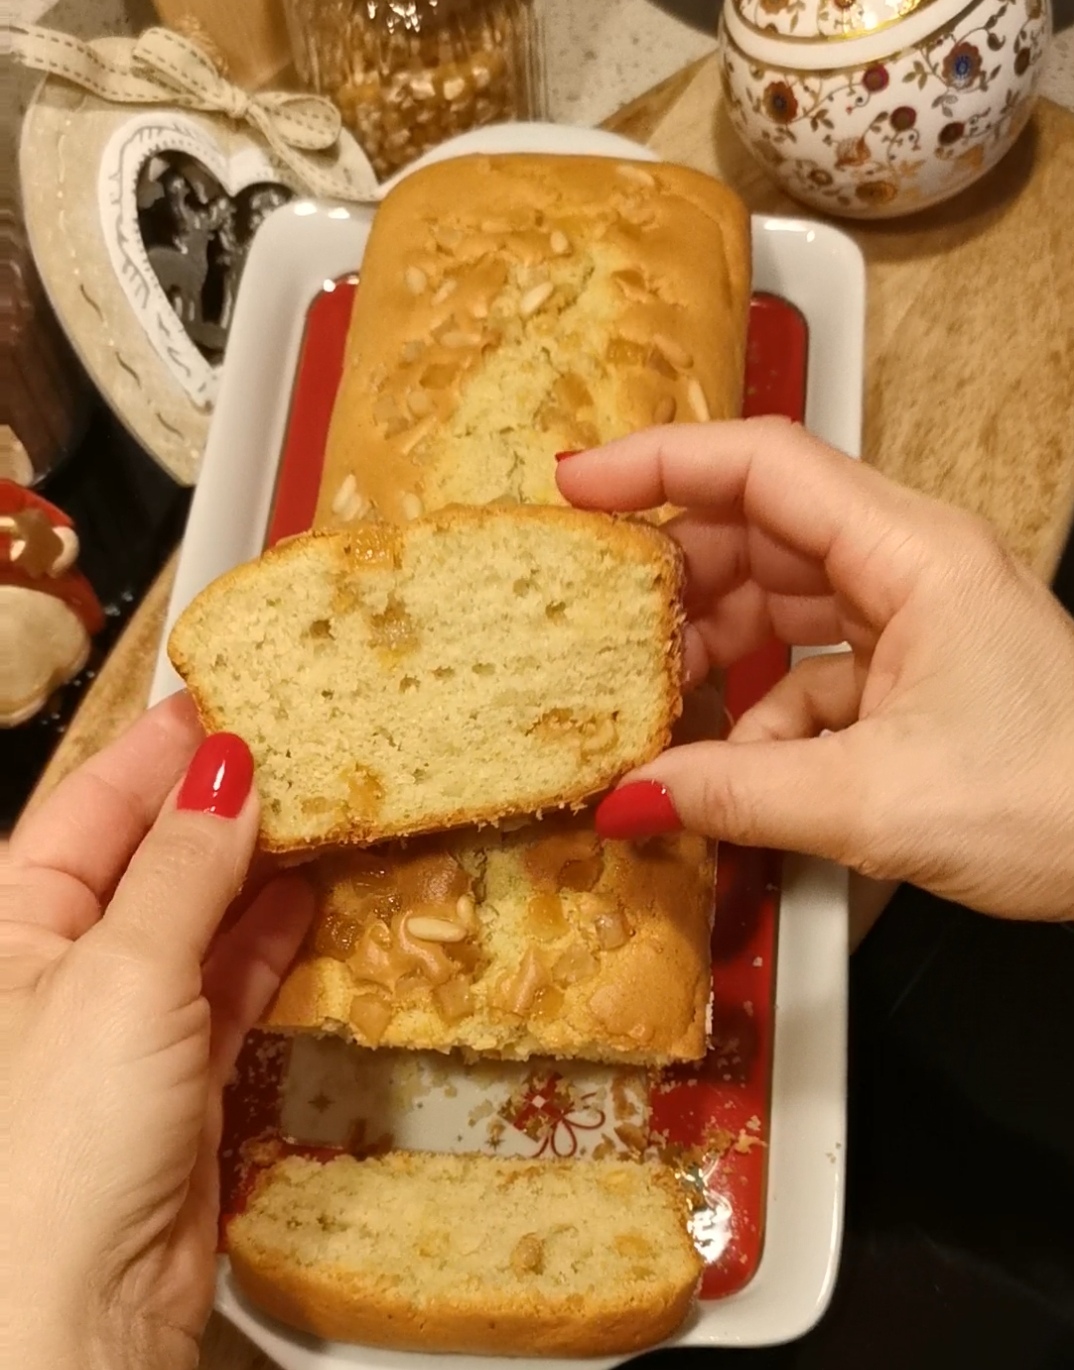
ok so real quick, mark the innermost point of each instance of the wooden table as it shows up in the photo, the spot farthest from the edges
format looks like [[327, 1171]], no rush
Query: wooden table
[[969, 386]]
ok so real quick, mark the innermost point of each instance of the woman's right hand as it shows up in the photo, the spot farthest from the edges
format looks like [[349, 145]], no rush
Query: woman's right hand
[[939, 749]]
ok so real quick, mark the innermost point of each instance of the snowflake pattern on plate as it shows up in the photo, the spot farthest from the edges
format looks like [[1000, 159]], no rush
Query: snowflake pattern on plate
[[552, 1115]]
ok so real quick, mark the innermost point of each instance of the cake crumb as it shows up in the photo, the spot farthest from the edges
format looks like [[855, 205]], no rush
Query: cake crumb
[[632, 1136], [528, 1255], [717, 1141], [483, 1110]]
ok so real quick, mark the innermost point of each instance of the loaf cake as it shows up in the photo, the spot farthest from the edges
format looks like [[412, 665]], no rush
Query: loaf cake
[[545, 941], [472, 1254], [514, 306], [476, 665]]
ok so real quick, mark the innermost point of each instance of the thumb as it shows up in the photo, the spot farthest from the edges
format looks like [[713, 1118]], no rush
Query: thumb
[[802, 796], [194, 859]]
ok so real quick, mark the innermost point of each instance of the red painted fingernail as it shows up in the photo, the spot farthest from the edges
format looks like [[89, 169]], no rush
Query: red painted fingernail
[[219, 777], [562, 456], [641, 809]]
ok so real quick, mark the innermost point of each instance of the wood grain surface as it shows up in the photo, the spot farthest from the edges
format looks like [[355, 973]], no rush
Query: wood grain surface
[[969, 383]]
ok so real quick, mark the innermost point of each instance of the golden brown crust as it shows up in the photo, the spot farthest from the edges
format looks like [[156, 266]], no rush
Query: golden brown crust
[[368, 547], [362, 1305], [327, 1304], [648, 315]]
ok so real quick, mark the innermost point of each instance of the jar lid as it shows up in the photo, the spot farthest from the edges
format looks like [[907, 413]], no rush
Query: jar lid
[[418, 16], [809, 20]]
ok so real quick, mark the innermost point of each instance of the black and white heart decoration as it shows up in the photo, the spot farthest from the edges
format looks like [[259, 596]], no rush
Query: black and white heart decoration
[[197, 234], [178, 212]]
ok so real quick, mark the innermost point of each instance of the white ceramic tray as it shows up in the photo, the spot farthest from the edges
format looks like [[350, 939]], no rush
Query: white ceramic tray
[[820, 271]]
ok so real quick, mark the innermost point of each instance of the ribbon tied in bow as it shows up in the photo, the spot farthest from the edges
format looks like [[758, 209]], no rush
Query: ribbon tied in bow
[[165, 68]]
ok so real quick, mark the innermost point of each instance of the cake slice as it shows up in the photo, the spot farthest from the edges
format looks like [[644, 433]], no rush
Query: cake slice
[[545, 941], [473, 665], [477, 1254]]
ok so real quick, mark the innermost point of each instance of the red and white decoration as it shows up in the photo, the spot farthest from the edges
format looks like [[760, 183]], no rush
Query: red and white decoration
[[48, 610]]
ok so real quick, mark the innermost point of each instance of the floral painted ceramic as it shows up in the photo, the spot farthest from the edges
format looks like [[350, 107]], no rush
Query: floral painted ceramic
[[873, 108]]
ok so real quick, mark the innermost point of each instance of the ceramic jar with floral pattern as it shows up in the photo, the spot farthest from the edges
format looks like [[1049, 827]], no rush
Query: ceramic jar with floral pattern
[[873, 108]]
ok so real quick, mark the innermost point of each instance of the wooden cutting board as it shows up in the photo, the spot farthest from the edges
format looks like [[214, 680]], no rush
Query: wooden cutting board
[[969, 385]]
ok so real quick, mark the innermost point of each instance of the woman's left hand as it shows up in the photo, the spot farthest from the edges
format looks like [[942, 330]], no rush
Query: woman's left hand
[[124, 1006]]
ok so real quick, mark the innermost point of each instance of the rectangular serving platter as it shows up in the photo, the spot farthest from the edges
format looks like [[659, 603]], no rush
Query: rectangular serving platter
[[260, 465]]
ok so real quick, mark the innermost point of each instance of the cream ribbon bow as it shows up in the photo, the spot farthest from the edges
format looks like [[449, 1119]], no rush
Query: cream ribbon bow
[[164, 68]]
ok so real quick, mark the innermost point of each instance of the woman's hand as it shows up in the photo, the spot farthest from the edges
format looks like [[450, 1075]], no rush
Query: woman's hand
[[938, 749], [123, 1011]]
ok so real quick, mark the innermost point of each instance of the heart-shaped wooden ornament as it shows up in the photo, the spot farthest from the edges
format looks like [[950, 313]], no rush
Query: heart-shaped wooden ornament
[[140, 222]]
